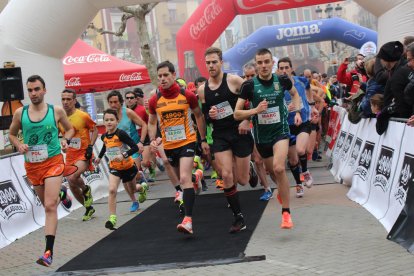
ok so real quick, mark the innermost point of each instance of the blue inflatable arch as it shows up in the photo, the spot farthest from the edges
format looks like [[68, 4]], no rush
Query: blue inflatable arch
[[297, 33]]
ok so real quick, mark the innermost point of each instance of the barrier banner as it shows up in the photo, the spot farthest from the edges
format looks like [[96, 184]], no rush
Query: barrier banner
[[339, 147], [385, 166], [401, 209], [336, 129], [16, 213], [349, 167], [360, 189]]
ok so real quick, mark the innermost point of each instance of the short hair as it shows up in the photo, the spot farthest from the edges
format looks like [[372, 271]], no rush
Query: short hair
[[199, 79], [115, 93], [408, 40], [263, 51], [167, 64], [34, 78], [378, 100], [111, 111], [410, 48], [249, 65], [71, 91], [214, 50], [369, 67], [138, 92], [284, 59], [130, 92]]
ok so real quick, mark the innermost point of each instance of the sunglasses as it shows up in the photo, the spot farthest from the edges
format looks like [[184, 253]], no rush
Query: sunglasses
[[130, 98], [34, 89]]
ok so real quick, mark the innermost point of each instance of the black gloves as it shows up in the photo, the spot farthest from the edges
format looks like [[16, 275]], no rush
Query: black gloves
[[88, 153], [285, 82], [383, 118]]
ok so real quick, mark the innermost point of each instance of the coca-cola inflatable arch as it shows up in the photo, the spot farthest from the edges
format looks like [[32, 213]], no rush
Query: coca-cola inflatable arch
[[212, 17], [298, 33]]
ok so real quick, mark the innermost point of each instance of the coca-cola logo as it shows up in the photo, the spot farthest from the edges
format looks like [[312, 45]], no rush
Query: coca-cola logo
[[91, 58], [132, 77], [253, 4], [210, 13], [73, 81]]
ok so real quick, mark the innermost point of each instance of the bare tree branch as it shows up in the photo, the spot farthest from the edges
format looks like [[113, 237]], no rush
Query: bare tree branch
[[120, 30]]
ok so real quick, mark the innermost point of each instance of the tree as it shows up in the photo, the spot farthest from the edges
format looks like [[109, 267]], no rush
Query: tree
[[138, 13]]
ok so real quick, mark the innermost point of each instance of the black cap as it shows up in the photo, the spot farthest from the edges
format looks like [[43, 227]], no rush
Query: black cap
[[138, 92], [391, 51]]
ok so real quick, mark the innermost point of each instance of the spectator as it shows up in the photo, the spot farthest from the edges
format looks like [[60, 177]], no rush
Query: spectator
[[354, 77], [377, 103], [372, 88], [409, 89]]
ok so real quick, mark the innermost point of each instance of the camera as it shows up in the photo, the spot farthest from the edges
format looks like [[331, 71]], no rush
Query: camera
[[355, 78], [352, 59]]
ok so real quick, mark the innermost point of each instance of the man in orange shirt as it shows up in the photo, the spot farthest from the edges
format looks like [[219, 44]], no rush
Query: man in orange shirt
[[80, 151], [173, 106]]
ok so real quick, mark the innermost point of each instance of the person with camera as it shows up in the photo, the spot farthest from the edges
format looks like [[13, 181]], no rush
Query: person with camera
[[355, 77]]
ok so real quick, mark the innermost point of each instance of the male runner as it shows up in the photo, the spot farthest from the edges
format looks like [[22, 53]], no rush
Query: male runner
[[173, 107], [231, 139], [271, 129], [80, 150], [41, 147]]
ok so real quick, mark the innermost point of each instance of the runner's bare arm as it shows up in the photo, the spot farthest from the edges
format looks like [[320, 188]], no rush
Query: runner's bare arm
[[296, 101], [152, 126], [15, 126], [235, 83], [94, 135], [64, 122], [138, 121], [200, 93]]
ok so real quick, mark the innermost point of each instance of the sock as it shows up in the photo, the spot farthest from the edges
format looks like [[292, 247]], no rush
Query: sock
[[286, 210], [178, 188], [296, 172], [50, 240], [303, 162], [189, 198], [233, 199]]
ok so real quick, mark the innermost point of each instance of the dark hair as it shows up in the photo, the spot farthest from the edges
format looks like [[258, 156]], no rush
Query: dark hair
[[410, 48], [378, 100], [138, 92], [117, 94], [214, 50], [263, 51], [111, 111], [71, 91], [167, 64], [284, 59], [130, 92], [34, 78], [199, 79], [408, 40]]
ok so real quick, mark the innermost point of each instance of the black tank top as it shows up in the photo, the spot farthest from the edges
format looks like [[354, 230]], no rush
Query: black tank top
[[225, 101]]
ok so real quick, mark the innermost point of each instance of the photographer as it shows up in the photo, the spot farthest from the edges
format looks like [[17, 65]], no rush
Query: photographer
[[354, 77]]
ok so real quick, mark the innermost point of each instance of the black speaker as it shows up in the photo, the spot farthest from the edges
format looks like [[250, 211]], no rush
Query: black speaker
[[11, 85]]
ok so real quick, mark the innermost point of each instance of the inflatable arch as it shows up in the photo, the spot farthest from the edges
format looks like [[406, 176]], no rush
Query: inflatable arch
[[298, 33], [36, 34], [210, 19]]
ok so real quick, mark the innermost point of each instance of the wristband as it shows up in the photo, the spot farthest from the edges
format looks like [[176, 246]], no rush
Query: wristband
[[312, 103], [125, 154], [141, 142], [204, 140]]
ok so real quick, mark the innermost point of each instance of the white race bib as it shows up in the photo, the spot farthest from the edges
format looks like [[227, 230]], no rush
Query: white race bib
[[224, 110], [270, 116], [111, 153], [75, 143], [37, 154], [175, 133]]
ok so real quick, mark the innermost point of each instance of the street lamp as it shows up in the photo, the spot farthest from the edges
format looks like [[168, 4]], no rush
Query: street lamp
[[329, 11]]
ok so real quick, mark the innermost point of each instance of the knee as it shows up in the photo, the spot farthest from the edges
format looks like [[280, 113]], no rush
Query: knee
[[51, 205], [112, 191], [258, 162], [227, 176], [278, 169]]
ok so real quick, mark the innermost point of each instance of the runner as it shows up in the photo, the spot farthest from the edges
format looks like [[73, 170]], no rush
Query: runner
[[299, 134], [80, 150], [128, 121], [173, 107], [44, 162], [271, 129], [231, 139], [121, 164]]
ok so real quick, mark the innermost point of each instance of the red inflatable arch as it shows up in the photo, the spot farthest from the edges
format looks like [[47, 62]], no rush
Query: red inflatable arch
[[210, 19]]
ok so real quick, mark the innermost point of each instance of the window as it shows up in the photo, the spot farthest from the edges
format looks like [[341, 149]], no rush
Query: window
[[228, 34], [313, 50], [277, 19], [293, 16], [250, 25], [307, 15], [270, 20], [297, 51]]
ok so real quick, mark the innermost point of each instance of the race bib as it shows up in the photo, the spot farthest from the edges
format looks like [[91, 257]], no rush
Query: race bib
[[75, 143], [270, 116], [111, 153], [224, 110], [37, 154], [175, 133]]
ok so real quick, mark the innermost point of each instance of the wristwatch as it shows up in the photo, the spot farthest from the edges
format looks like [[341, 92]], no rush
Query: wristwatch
[[204, 140], [125, 154]]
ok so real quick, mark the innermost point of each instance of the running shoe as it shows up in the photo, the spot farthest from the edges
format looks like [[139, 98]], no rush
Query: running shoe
[[143, 193], [299, 190], [142, 178], [238, 224], [186, 226], [219, 184], [46, 259], [214, 175], [111, 223], [197, 162], [286, 221], [267, 195], [160, 163], [196, 178], [181, 208], [178, 196], [151, 176], [65, 199], [308, 179], [134, 207], [203, 185], [88, 213], [87, 197], [254, 179]]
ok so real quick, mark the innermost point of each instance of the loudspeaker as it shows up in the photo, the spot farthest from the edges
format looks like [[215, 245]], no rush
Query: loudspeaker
[[11, 85]]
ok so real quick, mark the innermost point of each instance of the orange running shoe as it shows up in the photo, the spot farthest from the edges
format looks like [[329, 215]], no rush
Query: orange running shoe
[[302, 178], [219, 184], [196, 178], [186, 226], [286, 221]]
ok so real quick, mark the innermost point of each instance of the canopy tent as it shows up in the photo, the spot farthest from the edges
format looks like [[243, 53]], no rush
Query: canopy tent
[[88, 69]]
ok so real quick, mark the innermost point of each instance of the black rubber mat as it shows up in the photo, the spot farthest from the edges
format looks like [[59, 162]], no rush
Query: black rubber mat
[[151, 238]]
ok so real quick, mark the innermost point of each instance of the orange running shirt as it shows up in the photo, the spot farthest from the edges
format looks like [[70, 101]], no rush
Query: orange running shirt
[[174, 117]]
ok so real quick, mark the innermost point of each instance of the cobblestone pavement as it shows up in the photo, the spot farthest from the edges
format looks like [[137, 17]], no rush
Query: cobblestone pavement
[[332, 236]]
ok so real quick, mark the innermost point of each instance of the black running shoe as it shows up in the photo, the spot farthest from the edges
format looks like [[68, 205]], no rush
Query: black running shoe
[[238, 225], [254, 179]]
